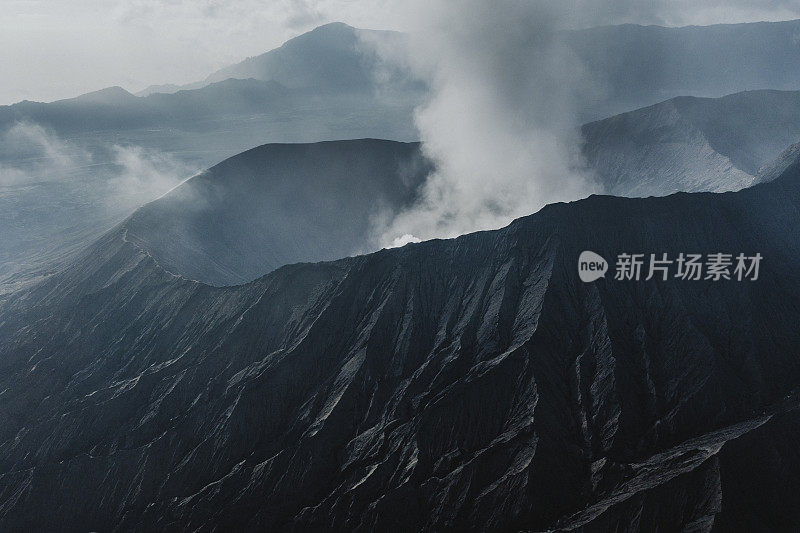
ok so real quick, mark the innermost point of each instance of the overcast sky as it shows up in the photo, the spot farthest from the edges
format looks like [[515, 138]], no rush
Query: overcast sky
[[52, 49]]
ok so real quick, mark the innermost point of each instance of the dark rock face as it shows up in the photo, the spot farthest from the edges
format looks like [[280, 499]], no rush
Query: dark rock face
[[278, 204], [467, 384]]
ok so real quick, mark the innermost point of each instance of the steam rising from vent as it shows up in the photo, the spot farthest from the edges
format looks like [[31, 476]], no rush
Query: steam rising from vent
[[144, 174], [500, 124]]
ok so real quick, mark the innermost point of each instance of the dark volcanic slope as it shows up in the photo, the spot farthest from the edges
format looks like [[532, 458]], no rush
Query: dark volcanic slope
[[278, 204], [692, 144], [473, 383]]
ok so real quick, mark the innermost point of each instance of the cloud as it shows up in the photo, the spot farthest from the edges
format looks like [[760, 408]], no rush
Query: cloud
[[30, 153], [10, 176]]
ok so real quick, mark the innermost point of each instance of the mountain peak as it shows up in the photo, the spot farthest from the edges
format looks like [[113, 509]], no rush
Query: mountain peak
[[109, 95], [330, 34], [333, 26], [329, 58]]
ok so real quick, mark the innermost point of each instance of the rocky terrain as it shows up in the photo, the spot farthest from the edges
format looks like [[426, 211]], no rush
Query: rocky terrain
[[465, 384]]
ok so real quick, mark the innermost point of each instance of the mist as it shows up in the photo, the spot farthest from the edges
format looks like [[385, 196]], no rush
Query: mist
[[30, 153], [143, 174], [124, 176], [58, 193]]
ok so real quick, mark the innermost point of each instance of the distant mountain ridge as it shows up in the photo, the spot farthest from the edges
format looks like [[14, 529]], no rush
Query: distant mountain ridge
[[109, 95], [633, 65], [334, 57], [692, 144], [323, 80]]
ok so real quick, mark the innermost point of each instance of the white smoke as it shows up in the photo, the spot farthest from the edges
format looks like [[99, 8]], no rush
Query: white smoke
[[404, 239], [142, 175], [29, 153], [501, 122], [114, 177]]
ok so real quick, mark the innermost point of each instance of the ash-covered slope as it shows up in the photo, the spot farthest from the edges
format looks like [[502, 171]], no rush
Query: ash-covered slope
[[278, 204], [692, 144], [466, 384]]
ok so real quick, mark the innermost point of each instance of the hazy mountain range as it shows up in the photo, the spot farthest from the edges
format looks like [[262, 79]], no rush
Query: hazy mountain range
[[473, 383], [633, 66], [684, 144], [333, 58]]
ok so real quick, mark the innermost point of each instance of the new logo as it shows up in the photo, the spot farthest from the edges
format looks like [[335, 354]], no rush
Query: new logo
[[591, 266]]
